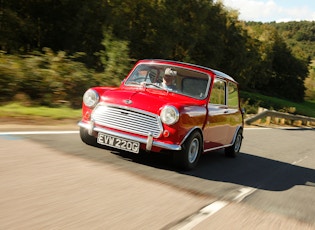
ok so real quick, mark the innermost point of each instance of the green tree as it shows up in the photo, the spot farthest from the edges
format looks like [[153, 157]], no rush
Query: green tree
[[241, 57], [115, 58], [286, 73], [69, 25], [10, 76], [258, 55]]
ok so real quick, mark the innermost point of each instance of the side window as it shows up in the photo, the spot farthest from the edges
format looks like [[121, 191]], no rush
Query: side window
[[233, 95], [218, 92], [195, 87]]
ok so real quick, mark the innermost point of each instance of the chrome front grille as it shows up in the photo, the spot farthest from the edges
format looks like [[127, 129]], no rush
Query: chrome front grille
[[121, 118]]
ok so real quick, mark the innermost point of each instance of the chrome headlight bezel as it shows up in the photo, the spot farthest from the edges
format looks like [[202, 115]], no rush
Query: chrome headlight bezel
[[169, 115], [91, 98]]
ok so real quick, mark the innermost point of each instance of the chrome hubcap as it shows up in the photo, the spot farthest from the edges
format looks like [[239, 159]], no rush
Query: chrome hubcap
[[193, 150], [238, 142]]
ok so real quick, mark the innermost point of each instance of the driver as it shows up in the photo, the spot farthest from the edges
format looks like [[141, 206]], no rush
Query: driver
[[169, 78]]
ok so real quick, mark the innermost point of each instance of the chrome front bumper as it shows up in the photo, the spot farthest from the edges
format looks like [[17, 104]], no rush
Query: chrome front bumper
[[149, 142]]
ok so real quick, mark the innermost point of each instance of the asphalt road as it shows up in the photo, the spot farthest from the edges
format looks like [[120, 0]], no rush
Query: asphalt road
[[270, 184]]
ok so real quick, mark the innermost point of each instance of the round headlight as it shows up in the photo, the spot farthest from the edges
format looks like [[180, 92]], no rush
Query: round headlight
[[169, 115], [90, 98]]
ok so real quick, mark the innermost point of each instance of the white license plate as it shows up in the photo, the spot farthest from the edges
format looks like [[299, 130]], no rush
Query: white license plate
[[119, 143]]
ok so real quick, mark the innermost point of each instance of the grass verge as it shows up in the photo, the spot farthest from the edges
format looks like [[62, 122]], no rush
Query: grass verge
[[16, 110], [251, 101]]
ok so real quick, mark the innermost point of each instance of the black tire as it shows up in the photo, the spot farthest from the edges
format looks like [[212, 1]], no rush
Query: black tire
[[188, 157], [233, 150], [86, 138]]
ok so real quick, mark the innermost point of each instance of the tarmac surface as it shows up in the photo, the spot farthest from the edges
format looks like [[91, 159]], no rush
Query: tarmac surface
[[42, 188]]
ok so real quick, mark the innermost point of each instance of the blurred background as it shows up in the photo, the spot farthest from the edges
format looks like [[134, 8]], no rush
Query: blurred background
[[51, 51]]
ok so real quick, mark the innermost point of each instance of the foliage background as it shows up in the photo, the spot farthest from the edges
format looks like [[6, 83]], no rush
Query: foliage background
[[53, 50]]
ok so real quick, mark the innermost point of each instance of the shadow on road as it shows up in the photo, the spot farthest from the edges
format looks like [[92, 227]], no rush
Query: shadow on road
[[246, 170], [253, 171]]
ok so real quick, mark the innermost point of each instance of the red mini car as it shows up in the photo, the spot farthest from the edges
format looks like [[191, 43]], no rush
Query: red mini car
[[169, 106]]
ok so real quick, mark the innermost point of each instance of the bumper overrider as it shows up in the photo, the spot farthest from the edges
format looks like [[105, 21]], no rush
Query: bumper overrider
[[149, 142]]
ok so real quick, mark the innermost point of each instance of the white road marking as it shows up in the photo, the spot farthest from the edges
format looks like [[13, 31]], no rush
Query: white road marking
[[37, 132], [308, 183], [282, 128], [69, 132], [74, 132], [258, 128], [298, 161], [200, 216], [195, 219], [214, 207], [244, 192]]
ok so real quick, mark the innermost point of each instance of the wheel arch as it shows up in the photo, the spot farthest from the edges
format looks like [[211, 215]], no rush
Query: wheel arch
[[195, 129], [238, 129]]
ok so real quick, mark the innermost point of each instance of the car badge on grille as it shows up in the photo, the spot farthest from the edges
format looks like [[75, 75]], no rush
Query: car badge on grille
[[128, 102]]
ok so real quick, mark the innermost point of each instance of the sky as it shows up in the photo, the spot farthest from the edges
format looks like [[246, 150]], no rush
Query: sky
[[273, 10]]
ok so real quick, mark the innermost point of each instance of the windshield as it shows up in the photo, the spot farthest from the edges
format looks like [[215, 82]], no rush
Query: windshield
[[171, 78]]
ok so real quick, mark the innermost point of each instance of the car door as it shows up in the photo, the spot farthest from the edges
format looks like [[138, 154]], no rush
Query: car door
[[216, 127], [233, 113]]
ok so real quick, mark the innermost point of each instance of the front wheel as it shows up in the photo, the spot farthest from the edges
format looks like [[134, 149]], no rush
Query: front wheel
[[188, 157], [233, 150]]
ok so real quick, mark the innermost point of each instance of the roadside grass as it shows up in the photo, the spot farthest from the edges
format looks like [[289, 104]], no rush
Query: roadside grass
[[307, 108], [251, 101], [16, 110]]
